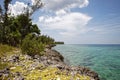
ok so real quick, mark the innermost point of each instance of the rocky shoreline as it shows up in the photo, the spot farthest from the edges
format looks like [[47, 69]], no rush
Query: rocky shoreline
[[72, 69], [20, 66]]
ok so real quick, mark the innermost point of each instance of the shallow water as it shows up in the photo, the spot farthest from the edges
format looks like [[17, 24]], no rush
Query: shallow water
[[104, 59]]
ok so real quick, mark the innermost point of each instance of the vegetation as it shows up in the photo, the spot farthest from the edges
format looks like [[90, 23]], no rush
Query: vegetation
[[31, 45], [3, 65], [17, 30], [46, 40], [59, 42], [4, 49], [13, 29]]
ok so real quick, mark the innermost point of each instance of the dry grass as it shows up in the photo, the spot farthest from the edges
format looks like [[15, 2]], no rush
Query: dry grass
[[6, 50]]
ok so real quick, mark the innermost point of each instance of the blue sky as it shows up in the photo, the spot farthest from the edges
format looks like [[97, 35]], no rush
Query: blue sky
[[77, 21]]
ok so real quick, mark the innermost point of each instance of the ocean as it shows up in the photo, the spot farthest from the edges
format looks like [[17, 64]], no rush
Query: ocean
[[103, 59]]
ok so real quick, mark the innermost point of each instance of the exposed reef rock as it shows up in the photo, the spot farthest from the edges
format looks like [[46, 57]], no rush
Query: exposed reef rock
[[46, 67]]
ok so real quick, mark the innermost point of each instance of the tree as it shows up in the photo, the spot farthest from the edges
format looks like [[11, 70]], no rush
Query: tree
[[46, 40], [36, 6], [14, 29], [24, 25], [1, 13], [4, 22], [6, 3], [1, 22]]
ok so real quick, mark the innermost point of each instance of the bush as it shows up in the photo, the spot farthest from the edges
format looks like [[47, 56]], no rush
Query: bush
[[31, 46]]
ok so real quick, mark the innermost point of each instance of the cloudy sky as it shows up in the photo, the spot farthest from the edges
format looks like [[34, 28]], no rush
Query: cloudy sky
[[76, 21]]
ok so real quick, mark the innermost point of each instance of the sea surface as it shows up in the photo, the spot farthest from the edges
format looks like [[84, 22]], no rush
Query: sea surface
[[104, 59]]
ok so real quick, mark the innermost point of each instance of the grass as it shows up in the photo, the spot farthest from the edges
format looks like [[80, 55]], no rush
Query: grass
[[52, 74], [6, 50], [3, 65], [49, 73]]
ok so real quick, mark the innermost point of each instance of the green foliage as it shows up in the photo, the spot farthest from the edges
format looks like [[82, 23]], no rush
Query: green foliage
[[59, 42], [34, 44], [14, 29], [19, 30], [35, 29], [31, 46], [46, 40]]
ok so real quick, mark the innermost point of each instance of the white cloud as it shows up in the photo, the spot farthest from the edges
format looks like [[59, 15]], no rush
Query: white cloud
[[61, 12], [17, 8], [73, 22], [33, 2], [65, 22], [56, 5], [60, 7], [20, 7]]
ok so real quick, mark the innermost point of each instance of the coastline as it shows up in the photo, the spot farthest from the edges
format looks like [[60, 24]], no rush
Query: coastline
[[25, 67], [76, 69]]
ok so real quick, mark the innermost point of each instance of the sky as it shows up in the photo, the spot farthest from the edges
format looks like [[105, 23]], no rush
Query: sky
[[76, 21]]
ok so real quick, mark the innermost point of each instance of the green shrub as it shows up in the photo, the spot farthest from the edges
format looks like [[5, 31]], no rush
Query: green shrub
[[31, 46]]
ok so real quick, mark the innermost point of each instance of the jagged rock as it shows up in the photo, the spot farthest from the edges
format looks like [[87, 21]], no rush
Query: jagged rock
[[1, 73], [5, 72], [51, 58], [14, 58], [36, 57], [27, 57], [19, 78], [59, 67], [42, 58], [18, 74]]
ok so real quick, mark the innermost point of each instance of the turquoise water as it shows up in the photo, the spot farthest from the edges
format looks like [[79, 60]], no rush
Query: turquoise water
[[104, 59]]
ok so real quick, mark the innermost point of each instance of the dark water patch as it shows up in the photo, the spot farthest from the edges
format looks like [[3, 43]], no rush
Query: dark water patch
[[72, 51], [89, 58], [87, 64], [115, 66], [116, 56], [111, 65], [103, 78]]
